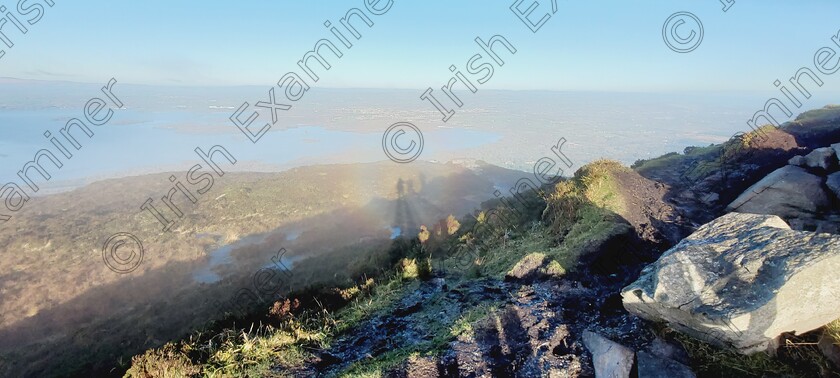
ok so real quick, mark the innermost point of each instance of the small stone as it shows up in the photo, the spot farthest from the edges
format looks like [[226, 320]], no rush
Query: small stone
[[798, 161], [823, 158], [609, 358]]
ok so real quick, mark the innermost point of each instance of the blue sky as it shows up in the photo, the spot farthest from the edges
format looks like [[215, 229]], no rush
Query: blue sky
[[596, 46]]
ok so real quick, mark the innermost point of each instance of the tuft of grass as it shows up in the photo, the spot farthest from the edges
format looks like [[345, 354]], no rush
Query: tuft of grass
[[554, 269], [496, 262], [832, 330], [581, 215], [167, 361], [409, 269], [463, 327], [598, 184]]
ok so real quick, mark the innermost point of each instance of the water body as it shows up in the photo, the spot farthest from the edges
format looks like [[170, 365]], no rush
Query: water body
[[222, 256], [150, 142], [395, 232], [292, 235]]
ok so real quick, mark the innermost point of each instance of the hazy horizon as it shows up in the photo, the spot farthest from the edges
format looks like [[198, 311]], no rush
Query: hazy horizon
[[338, 125]]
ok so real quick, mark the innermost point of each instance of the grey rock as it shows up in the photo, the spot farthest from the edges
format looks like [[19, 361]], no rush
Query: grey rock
[[789, 192], [609, 358], [823, 158], [741, 281], [830, 225], [710, 198], [833, 183], [439, 283], [652, 366], [798, 161], [836, 147]]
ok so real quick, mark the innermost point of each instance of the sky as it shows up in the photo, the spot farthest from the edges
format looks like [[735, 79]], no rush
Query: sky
[[585, 46]]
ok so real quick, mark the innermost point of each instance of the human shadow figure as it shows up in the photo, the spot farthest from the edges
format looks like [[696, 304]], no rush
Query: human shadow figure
[[404, 215]]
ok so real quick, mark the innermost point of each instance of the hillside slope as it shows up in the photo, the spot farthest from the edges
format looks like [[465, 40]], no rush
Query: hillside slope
[[63, 309], [513, 293]]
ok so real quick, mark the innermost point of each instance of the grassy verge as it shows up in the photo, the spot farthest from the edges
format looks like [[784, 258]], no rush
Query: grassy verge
[[801, 360]]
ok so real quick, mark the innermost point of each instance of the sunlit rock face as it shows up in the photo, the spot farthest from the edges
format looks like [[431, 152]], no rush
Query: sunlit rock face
[[740, 281]]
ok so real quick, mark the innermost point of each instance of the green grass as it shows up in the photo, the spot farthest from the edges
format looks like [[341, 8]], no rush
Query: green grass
[[254, 352], [714, 361], [496, 262], [167, 361], [803, 360], [584, 212], [827, 113], [673, 159], [441, 330], [382, 298]]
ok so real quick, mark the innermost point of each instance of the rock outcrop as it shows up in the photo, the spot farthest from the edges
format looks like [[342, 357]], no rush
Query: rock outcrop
[[822, 158], [741, 281], [805, 193], [789, 192]]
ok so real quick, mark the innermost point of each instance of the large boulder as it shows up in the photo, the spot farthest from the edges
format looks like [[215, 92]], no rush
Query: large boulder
[[741, 281], [789, 192]]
